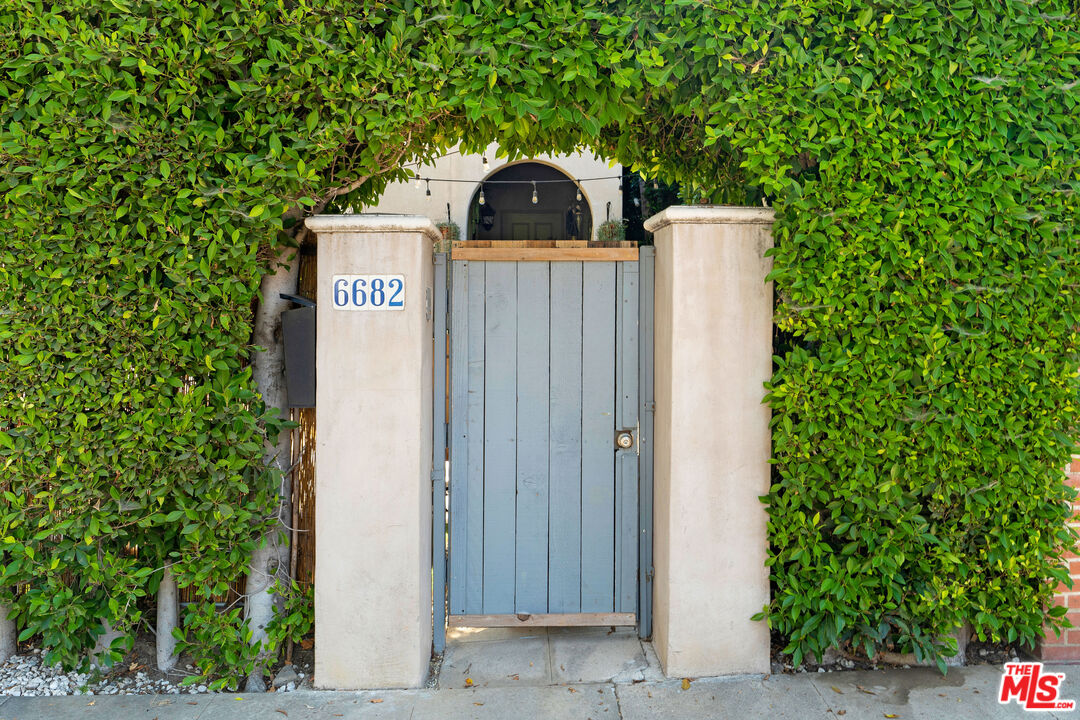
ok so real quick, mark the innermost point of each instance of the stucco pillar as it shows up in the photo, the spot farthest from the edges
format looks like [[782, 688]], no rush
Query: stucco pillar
[[713, 351], [373, 444]]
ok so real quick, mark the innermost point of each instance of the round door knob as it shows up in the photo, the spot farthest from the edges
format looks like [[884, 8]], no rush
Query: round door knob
[[624, 440]]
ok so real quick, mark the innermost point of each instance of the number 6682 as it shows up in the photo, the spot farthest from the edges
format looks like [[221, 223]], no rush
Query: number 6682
[[369, 292]]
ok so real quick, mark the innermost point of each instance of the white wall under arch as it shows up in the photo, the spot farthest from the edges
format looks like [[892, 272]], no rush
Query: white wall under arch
[[406, 199]]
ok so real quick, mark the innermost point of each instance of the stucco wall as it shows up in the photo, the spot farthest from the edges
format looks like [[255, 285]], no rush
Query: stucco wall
[[373, 443], [713, 352], [406, 198]]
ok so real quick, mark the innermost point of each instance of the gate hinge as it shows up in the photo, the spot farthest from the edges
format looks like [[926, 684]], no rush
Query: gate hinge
[[650, 406], [650, 573]]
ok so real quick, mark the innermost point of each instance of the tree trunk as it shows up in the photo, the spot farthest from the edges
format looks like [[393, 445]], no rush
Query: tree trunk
[[100, 657], [167, 614], [270, 559], [646, 211], [8, 634]]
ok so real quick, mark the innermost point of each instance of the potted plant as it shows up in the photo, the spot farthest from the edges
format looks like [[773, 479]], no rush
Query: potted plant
[[450, 233], [611, 233]]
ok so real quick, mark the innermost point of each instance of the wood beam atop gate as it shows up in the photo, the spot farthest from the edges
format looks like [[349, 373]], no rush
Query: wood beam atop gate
[[548, 254], [545, 620], [544, 250]]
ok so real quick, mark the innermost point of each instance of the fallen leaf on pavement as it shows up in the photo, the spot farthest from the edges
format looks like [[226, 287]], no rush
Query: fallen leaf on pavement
[[861, 689], [468, 682], [571, 689], [376, 700], [890, 715], [841, 712], [686, 683], [836, 690], [282, 712], [478, 704]]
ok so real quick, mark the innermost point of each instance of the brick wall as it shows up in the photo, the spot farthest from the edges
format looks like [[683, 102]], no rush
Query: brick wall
[[1067, 647]]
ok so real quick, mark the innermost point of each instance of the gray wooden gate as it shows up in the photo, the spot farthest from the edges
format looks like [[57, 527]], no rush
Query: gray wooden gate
[[544, 523]]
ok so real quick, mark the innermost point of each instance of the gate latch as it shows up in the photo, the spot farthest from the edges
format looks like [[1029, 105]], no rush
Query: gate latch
[[624, 439]]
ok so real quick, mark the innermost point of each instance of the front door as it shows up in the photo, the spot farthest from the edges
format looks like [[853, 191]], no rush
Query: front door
[[543, 442]]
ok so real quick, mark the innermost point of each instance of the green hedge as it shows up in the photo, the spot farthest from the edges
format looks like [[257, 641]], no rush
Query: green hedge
[[922, 157], [929, 265]]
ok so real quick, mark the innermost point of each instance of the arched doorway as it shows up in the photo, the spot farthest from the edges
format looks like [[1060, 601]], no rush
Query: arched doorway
[[529, 201]]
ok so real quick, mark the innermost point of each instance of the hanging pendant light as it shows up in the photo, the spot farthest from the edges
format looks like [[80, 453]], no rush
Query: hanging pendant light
[[486, 164], [534, 198], [481, 199], [577, 196], [428, 193]]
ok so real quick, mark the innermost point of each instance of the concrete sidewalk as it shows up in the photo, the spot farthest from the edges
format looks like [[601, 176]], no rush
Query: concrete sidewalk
[[871, 695]]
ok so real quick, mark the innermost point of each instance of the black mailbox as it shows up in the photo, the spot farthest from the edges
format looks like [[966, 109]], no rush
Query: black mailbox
[[298, 333]]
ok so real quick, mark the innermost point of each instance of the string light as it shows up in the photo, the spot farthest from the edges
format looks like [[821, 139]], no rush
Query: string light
[[490, 181], [486, 164], [483, 183]]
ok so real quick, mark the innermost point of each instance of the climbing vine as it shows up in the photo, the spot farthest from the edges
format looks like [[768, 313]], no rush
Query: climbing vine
[[157, 155]]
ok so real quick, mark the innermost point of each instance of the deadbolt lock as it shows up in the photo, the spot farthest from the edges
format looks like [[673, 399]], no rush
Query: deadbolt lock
[[624, 439]]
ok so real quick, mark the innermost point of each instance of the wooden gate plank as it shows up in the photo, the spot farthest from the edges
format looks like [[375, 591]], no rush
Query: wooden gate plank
[[438, 456], [500, 419], [532, 439], [474, 469], [564, 540], [626, 471], [459, 434], [646, 409], [597, 438]]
